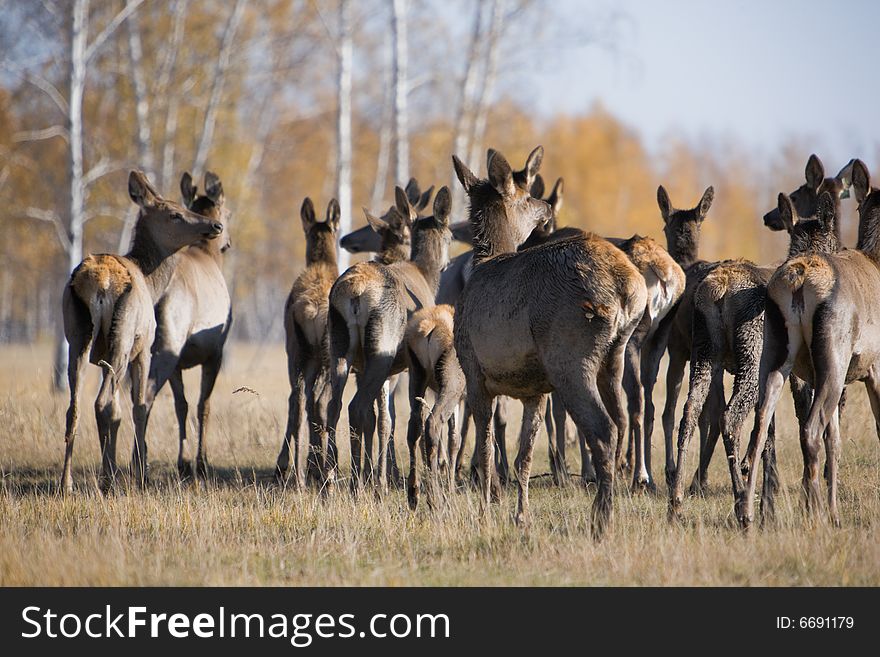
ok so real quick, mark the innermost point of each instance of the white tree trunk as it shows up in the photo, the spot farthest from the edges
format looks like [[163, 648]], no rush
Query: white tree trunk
[[401, 88], [464, 118], [166, 75], [385, 120], [343, 127], [496, 25], [142, 122], [223, 60]]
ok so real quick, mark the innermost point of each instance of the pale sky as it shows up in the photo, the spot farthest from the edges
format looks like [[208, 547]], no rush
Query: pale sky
[[759, 72]]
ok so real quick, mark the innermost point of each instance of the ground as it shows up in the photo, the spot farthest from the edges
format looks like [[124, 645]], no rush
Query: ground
[[242, 530]]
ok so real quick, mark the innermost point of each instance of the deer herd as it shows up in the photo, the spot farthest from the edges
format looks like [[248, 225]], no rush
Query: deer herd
[[571, 324]]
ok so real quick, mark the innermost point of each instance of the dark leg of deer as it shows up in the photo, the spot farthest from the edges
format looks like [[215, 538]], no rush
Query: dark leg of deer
[[632, 383], [454, 446], [296, 407], [443, 416], [417, 387], [588, 472], [832, 460], [395, 479], [481, 407], [317, 400], [139, 370], [551, 442], [674, 376], [652, 354], [771, 475], [78, 345], [463, 432], [702, 371], [181, 410], [502, 408], [342, 352], [710, 430], [560, 420], [496, 479], [386, 442], [210, 370], [584, 404], [533, 411], [610, 380]]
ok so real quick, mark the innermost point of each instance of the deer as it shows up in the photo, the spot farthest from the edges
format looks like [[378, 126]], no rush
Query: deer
[[370, 305], [108, 311], [308, 357], [193, 318], [433, 364], [369, 239], [556, 317], [821, 311], [728, 334], [682, 231], [802, 203]]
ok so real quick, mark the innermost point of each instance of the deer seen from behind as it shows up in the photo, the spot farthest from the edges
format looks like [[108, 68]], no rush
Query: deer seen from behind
[[556, 317], [308, 352], [108, 310]]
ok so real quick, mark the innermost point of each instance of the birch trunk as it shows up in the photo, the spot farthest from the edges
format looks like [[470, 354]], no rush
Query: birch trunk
[[464, 117], [496, 25], [343, 127], [382, 157], [401, 84], [219, 81]]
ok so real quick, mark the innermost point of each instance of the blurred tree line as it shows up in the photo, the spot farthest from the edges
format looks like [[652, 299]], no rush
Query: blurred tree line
[[252, 89]]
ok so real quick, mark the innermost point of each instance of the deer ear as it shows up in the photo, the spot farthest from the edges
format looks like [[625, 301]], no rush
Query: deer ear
[[555, 198], [815, 172], [424, 199], [533, 164], [786, 211], [706, 202], [187, 189], [214, 188], [465, 176], [412, 191], [501, 175], [825, 213], [845, 179], [401, 202], [333, 214], [140, 190], [307, 214], [375, 222], [861, 180], [537, 188], [442, 206], [664, 203]]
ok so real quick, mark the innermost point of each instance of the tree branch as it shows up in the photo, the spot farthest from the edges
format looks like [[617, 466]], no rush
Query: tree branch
[[48, 216], [42, 84], [101, 169], [39, 135], [111, 27]]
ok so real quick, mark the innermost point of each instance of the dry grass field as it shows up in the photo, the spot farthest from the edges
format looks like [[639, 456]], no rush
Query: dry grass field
[[242, 530]]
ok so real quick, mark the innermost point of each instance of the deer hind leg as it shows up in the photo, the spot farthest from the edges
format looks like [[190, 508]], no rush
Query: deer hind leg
[[556, 437], [463, 432], [385, 429], [318, 428], [710, 430], [533, 412], [362, 415], [453, 445], [635, 398], [584, 404], [652, 353], [296, 404], [139, 370], [502, 411], [343, 346], [480, 403], [610, 378], [417, 388], [442, 419], [181, 409], [108, 415], [674, 376], [702, 371], [388, 414], [78, 346]]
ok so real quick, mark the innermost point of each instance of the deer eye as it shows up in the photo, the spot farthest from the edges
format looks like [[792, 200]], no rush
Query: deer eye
[[176, 216]]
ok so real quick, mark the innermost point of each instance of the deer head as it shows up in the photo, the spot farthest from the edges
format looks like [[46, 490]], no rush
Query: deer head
[[682, 227]]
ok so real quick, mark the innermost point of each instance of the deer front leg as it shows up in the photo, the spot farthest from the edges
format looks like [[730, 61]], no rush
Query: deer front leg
[[139, 370], [181, 409], [210, 370]]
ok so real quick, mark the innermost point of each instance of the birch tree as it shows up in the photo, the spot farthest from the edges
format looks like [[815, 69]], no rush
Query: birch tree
[[343, 125], [401, 89]]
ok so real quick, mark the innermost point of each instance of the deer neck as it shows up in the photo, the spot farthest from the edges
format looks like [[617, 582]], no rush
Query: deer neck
[[492, 234], [394, 253], [427, 260], [321, 252], [155, 263], [869, 234]]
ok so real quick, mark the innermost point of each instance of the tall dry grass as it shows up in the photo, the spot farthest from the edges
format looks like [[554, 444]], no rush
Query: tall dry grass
[[242, 530]]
